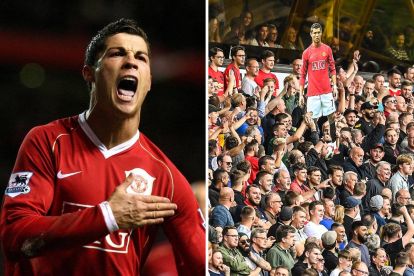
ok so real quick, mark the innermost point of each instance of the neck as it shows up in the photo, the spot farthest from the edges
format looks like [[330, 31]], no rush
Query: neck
[[355, 241], [235, 64], [238, 188], [315, 44], [256, 248], [266, 70], [212, 268], [213, 66], [112, 130], [283, 245], [269, 209], [315, 220]]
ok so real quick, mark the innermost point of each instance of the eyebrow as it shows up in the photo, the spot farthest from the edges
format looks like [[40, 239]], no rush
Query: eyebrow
[[123, 49]]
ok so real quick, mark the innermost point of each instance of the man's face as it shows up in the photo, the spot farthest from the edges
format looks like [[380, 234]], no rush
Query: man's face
[[301, 175], [269, 63], [407, 91], [314, 255], [384, 172], [391, 137], [359, 83], [379, 83], [361, 270], [299, 219], [121, 77], [227, 163], [395, 80], [386, 208], [244, 243], [351, 119], [337, 177], [276, 203], [269, 166], [362, 233], [376, 154], [297, 65], [218, 59], [253, 68], [271, 86], [410, 142], [401, 104], [406, 168], [231, 238], [289, 240], [291, 35], [318, 212], [315, 178], [316, 35], [263, 33], [282, 272], [240, 57], [329, 208], [350, 183], [391, 104], [253, 118], [369, 113], [410, 74], [341, 234], [400, 41], [266, 182], [358, 157], [254, 196], [404, 197], [273, 34], [260, 240], [217, 259], [287, 122], [369, 89], [281, 131], [284, 180]]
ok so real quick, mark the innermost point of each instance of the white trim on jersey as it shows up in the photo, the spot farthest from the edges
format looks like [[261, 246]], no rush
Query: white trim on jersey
[[109, 217], [102, 148]]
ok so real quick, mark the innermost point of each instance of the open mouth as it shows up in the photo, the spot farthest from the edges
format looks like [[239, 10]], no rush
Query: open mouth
[[127, 88]]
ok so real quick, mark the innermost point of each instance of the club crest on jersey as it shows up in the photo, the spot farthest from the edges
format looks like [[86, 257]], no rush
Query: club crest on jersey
[[323, 54], [142, 183], [18, 184]]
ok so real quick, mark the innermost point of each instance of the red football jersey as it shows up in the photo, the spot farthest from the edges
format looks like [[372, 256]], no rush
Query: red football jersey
[[54, 222], [237, 76], [262, 76], [318, 63], [219, 77]]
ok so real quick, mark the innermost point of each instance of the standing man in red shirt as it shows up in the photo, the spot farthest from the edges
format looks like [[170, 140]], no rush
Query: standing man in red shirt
[[88, 193], [268, 61], [216, 56], [319, 67], [238, 56]]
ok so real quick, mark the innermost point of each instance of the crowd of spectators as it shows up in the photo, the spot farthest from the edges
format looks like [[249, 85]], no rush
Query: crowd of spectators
[[242, 30], [291, 195]]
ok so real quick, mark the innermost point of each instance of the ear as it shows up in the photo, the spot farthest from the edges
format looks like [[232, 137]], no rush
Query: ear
[[88, 73]]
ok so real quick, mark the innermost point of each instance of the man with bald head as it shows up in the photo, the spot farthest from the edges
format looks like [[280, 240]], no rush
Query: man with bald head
[[354, 163], [403, 197], [220, 216]]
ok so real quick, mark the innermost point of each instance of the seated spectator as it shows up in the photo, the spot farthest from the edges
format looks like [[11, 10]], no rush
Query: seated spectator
[[381, 208], [258, 247], [237, 184], [216, 267], [284, 218], [394, 82], [291, 41], [378, 260], [262, 31], [313, 228], [341, 235], [359, 268], [351, 206], [282, 183], [377, 184], [376, 154], [401, 264], [249, 86], [391, 148], [272, 37], [347, 189], [397, 49], [354, 162]]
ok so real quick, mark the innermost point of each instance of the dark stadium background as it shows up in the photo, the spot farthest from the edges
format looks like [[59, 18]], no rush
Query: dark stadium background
[[42, 43]]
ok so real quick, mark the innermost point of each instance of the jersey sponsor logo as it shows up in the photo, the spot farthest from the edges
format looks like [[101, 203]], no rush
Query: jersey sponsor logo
[[142, 183], [318, 65], [18, 184], [116, 242], [61, 175]]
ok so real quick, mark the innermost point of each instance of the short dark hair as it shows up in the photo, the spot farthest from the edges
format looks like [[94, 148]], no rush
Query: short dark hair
[[266, 54], [315, 26], [227, 228], [264, 159], [283, 231], [213, 51], [313, 204], [98, 42], [375, 76], [393, 71], [235, 49]]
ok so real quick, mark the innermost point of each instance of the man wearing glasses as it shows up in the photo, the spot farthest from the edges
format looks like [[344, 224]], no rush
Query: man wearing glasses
[[390, 105], [216, 56], [257, 254], [232, 71], [249, 86], [232, 257], [359, 269]]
